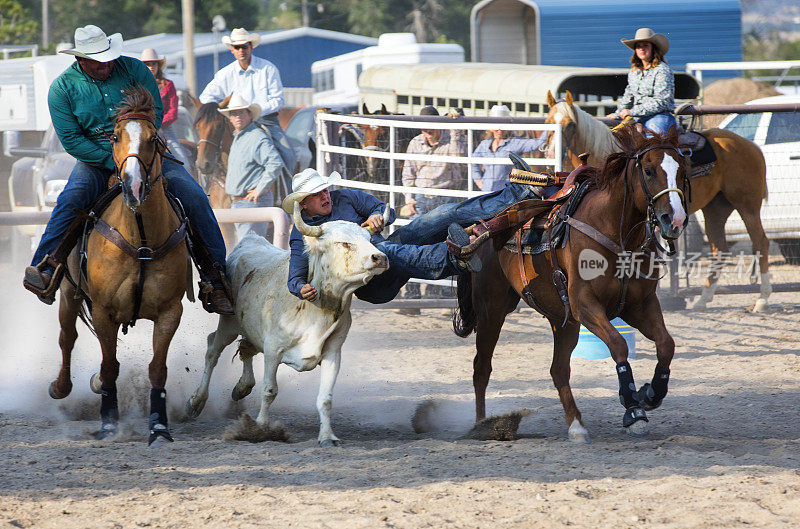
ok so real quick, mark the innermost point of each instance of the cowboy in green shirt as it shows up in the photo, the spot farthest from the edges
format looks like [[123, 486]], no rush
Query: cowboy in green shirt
[[82, 103]]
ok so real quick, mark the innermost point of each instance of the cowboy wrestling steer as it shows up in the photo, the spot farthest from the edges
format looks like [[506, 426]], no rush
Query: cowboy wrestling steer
[[288, 330]]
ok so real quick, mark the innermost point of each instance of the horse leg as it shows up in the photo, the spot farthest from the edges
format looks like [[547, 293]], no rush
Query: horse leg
[[490, 318], [68, 309], [716, 213], [752, 221], [564, 341], [106, 332], [649, 320], [226, 333], [164, 327], [594, 318]]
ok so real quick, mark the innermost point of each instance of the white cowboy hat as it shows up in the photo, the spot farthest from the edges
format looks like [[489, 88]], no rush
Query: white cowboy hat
[[499, 111], [91, 42], [237, 102], [307, 183], [241, 36], [648, 35], [150, 55]]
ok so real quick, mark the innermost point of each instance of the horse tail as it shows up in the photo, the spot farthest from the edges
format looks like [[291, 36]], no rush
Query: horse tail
[[464, 317]]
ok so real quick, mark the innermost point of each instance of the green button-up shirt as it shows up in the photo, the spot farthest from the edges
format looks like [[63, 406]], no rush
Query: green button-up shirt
[[82, 108]]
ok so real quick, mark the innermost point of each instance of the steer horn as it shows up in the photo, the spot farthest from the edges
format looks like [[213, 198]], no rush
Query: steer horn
[[387, 214], [302, 227]]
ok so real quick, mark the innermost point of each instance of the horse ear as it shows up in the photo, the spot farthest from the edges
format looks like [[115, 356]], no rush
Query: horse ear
[[196, 102], [364, 109], [224, 102], [551, 101], [672, 134], [568, 99], [383, 109]]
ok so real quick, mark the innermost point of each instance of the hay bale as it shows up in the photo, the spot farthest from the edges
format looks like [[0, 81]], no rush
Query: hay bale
[[498, 427], [733, 92], [247, 429]]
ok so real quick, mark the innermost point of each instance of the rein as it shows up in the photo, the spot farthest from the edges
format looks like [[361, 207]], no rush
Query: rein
[[161, 146]]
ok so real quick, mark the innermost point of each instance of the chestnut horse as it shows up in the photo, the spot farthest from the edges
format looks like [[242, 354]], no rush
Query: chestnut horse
[[135, 267], [215, 136], [637, 189], [737, 181]]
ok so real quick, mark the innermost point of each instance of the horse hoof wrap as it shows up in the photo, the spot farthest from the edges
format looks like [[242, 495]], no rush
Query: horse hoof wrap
[[107, 430], [633, 415], [647, 397]]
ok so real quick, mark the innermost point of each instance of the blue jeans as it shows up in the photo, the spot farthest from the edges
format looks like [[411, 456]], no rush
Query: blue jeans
[[259, 228], [659, 123], [431, 227], [431, 261], [281, 142], [85, 185]]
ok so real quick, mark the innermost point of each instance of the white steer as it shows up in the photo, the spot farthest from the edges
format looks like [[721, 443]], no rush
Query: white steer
[[285, 328]]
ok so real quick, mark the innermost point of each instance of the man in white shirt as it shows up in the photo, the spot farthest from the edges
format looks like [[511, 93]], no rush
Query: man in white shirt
[[257, 80]]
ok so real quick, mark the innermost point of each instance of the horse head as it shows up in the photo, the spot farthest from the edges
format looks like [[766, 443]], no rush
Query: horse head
[[562, 113], [655, 176], [136, 146], [214, 138]]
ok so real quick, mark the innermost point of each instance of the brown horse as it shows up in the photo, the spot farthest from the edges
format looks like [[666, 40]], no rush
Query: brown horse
[[737, 181], [636, 189], [215, 136], [135, 267]]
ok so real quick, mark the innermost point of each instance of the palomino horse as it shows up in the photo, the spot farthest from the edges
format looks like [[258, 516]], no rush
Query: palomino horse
[[215, 135], [737, 181], [135, 267], [636, 189]]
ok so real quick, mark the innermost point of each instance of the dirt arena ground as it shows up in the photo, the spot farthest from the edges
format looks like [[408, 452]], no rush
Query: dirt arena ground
[[723, 452]]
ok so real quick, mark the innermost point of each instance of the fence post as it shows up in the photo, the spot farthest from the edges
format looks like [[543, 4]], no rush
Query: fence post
[[392, 138]]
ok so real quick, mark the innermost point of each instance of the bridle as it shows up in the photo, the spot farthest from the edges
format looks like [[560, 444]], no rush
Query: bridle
[[650, 221], [148, 167]]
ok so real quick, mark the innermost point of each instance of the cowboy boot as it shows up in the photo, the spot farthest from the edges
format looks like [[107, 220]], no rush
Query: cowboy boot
[[41, 283], [459, 245]]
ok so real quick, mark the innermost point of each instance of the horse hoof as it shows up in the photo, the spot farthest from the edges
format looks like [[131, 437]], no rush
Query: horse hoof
[[578, 434], [107, 431], [95, 384], [638, 429], [51, 390], [238, 393], [328, 443], [761, 306], [700, 305], [158, 442]]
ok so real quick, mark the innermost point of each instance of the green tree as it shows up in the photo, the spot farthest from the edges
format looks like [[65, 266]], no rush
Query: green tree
[[17, 24]]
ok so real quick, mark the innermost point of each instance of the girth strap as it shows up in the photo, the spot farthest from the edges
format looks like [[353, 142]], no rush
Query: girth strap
[[143, 253]]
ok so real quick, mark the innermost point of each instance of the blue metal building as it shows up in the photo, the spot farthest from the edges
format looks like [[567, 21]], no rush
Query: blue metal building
[[291, 50], [587, 33]]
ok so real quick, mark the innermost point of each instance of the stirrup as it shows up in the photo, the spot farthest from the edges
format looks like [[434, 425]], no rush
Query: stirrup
[[464, 251], [46, 293]]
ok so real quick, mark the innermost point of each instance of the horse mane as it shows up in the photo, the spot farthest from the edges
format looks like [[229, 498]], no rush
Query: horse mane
[[595, 137], [136, 99], [630, 141], [209, 112]]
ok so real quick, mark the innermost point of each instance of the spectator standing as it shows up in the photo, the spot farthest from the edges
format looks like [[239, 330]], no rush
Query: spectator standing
[[253, 163]]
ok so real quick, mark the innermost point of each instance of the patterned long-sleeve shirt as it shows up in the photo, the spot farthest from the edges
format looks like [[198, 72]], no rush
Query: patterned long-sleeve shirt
[[438, 175], [169, 99], [649, 92], [260, 83]]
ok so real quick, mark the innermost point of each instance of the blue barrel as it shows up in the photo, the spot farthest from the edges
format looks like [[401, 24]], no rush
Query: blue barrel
[[591, 347]]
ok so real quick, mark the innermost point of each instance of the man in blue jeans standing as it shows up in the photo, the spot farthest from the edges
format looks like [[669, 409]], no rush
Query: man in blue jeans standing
[[82, 102], [253, 163]]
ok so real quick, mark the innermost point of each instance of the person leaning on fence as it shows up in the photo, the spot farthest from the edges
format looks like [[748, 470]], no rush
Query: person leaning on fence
[[498, 144], [256, 80], [320, 205], [254, 163], [169, 100], [649, 97], [437, 175], [83, 102]]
